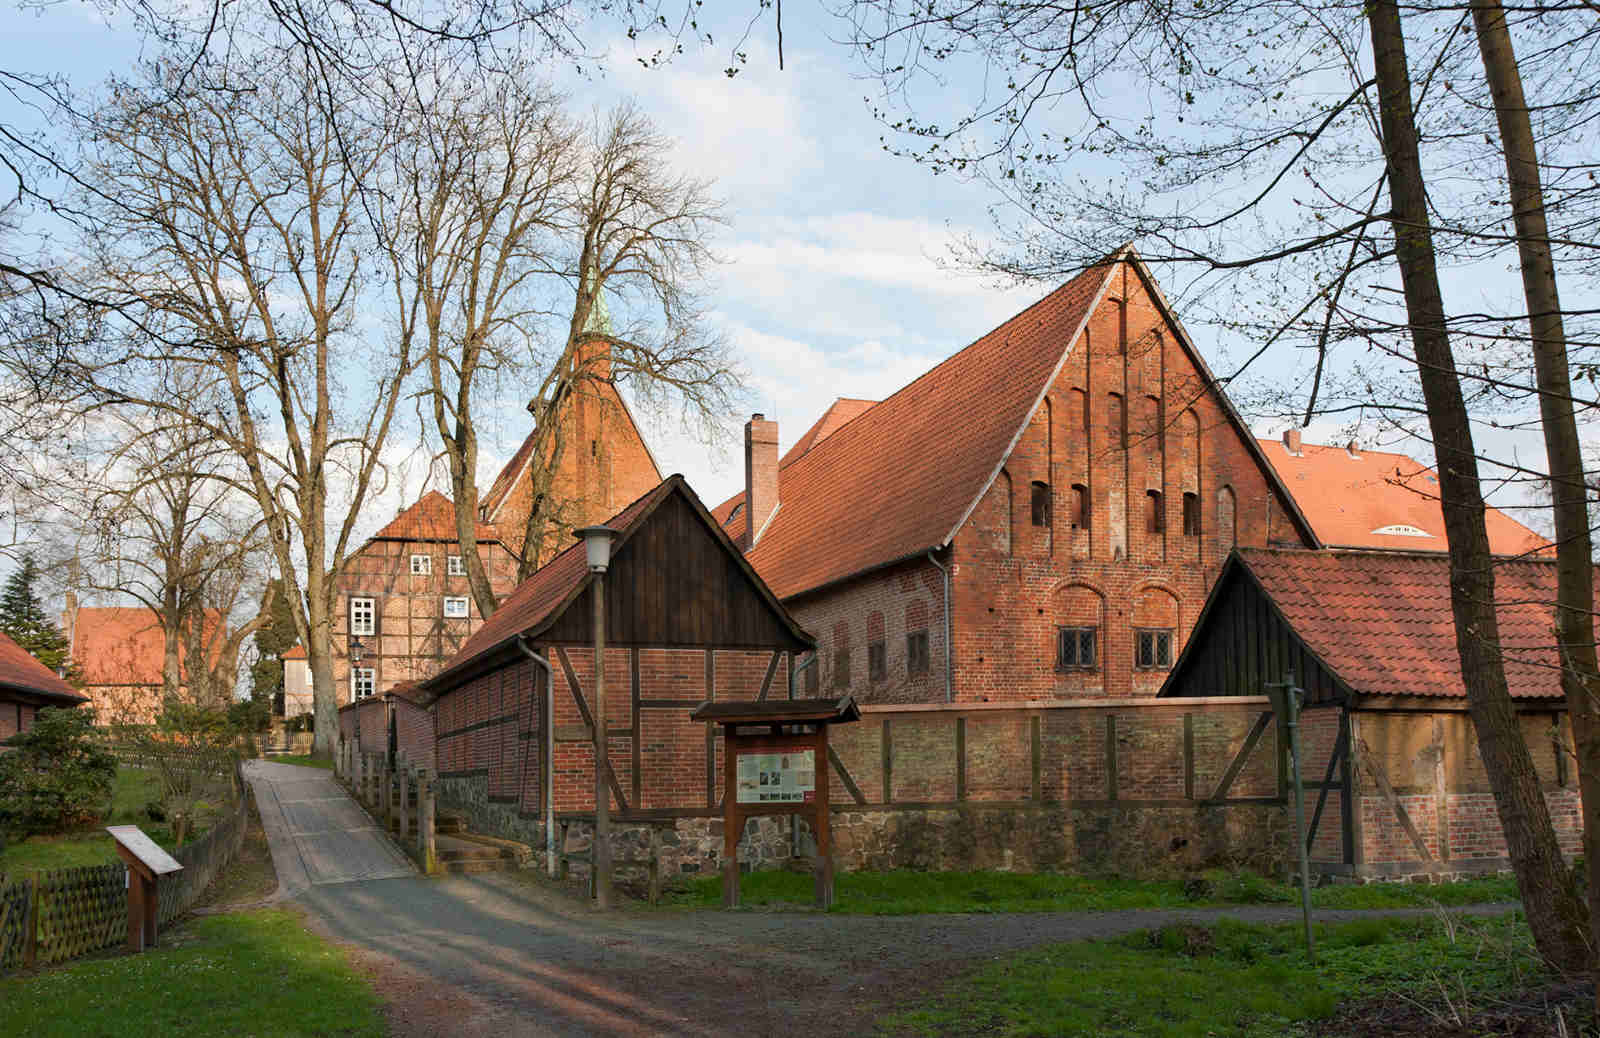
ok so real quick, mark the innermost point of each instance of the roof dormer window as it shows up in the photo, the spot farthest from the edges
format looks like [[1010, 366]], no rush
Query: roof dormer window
[[1402, 530]]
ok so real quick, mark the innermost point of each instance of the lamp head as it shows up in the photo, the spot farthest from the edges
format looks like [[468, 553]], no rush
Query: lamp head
[[597, 544], [357, 650]]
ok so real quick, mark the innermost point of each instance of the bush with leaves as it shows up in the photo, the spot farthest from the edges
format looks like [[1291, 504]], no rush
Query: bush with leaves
[[57, 776], [193, 751]]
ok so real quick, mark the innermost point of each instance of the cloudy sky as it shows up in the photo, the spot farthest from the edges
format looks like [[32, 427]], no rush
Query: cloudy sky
[[838, 278]]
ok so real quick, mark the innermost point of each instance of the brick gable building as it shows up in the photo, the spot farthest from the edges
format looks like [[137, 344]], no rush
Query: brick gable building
[[121, 654], [1070, 484]]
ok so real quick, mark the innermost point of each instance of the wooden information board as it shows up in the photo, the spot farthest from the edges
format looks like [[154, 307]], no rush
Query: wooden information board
[[147, 863], [775, 762]]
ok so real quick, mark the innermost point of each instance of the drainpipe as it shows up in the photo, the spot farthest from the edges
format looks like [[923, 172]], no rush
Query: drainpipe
[[549, 755], [794, 820], [949, 685]]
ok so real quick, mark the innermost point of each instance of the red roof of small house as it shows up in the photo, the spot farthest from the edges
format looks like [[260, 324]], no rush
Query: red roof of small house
[[1381, 621], [297, 652], [898, 479], [1377, 499], [124, 645], [552, 586], [20, 672], [432, 518]]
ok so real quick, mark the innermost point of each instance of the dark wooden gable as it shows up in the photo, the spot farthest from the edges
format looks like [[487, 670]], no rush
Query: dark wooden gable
[[678, 582], [1241, 642]]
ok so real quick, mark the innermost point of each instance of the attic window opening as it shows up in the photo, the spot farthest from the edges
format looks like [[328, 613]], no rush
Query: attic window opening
[[877, 662], [1041, 503], [1156, 512], [1191, 515], [1080, 507], [1402, 530], [841, 668], [421, 565], [455, 566]]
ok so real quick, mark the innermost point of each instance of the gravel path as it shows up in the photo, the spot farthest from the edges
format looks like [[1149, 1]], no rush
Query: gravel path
[[509, 953]]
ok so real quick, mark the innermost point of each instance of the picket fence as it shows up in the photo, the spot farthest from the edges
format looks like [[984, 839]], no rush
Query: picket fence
[[50, 917]]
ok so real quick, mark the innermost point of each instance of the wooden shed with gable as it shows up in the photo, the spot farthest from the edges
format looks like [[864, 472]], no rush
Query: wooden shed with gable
[[687, 621], [1392, 770]]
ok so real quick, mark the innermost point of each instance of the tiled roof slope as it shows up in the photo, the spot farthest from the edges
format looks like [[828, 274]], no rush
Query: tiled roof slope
[[1348, 497], [897, 478], [536, 598], [124, 645], [841, 411], [19, 670], [1381, 621], [432, 518]]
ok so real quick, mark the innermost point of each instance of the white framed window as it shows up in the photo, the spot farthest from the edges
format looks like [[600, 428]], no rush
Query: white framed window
[[363, 616], [455, 565], [455, 607], [421, 565], [362, 682]]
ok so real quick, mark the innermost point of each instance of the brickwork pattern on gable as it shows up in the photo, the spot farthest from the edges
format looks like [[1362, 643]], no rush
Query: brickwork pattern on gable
[[1010, 594]]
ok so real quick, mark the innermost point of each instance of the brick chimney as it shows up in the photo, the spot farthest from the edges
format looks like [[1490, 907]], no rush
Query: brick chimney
[[1291, 441], [69, 621], [760, 475]]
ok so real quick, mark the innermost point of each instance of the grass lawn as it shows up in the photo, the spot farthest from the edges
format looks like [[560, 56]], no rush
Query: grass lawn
[[133, 789], [1230, 979], [905, 892], [248, 973], [302, 759]]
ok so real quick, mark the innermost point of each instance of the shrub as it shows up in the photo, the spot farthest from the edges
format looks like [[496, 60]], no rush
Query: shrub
[[306, 722], [58, 775]]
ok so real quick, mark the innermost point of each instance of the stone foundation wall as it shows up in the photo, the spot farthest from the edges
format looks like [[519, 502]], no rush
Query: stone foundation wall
[[1128, 841]]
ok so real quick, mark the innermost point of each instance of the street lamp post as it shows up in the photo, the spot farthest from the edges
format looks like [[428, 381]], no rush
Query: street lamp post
[[597, 543]]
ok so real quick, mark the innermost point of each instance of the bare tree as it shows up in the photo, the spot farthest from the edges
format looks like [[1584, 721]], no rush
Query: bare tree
[[239, 223], [640, 228], [482, 187]]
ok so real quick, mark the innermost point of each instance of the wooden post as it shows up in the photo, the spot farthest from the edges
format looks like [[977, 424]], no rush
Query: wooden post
[[824, 824], [385, 790], [405, 802], [655, 865], [426, 823], [733, 822], [30, 932]]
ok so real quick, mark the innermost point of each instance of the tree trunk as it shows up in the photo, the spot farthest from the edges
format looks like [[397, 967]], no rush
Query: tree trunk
[[319, 652], [1569, 491], [1554, 913]]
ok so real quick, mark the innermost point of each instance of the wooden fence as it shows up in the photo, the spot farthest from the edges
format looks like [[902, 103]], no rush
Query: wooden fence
[[50, 917]]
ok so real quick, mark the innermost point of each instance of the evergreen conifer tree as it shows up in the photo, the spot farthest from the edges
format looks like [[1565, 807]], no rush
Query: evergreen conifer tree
[[23, 617]]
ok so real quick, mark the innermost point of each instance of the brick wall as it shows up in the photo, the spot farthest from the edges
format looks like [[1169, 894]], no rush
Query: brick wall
[[1423, 768]]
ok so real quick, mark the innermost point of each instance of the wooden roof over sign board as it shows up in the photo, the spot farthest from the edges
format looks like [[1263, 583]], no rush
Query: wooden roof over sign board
[[777, 711]]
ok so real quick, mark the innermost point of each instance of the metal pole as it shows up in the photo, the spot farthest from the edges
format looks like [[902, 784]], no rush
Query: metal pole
[[600, 857], [1292, 709]]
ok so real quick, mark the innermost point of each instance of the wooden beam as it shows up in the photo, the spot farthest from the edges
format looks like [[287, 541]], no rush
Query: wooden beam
[[961, 759], [845, 777], [1188, 756], [1237, 765], [1327, 783], [766, 682], [1385, 790], [638, 731]]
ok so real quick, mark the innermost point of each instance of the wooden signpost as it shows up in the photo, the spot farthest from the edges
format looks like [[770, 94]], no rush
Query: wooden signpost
[[775, 762], [147, 863]]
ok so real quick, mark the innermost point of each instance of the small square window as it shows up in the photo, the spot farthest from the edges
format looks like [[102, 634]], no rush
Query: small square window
[[362, 616], [363, 680], [455, 607], [455, 566], [1075, 648], [1152, 650], [877, 662], [421, 565], [841, 668], [917, 652]]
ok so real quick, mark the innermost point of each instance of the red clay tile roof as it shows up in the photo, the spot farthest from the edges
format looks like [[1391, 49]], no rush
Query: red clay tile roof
[[1381, 621], [841, 411], [21, 672], [298, 652], [873, 491], [123, 645], [432, 518], [1349, 498]]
